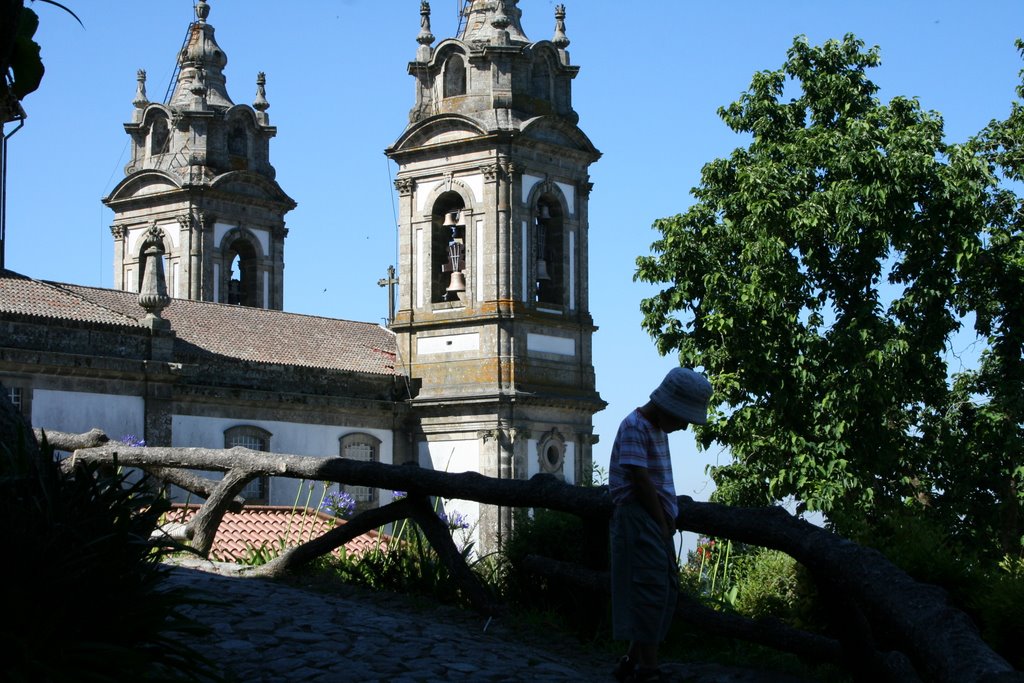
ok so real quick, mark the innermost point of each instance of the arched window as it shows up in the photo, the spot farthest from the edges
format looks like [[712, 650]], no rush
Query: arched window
[[455, 76], [238, 143], [549, 251], [448, 248], [159, 136], [242, 263], [365, 448], [257, 491], [540, 82]]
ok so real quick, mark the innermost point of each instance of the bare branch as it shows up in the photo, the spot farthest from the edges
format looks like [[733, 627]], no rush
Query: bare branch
[[63, 441], [369, 520], [440, 538], [201, 486], [202, 528]]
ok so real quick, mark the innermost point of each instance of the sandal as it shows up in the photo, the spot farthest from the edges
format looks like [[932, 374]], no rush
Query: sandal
[[624, 670]]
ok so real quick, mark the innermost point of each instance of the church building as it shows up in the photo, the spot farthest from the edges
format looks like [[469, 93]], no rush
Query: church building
[[486, 365]]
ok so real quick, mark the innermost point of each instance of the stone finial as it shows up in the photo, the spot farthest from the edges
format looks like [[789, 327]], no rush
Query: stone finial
[[198, 89], [560, 40], [425, 37], [261, 104], [153, 293], [140, 100], [500, 20], [201, 64], [493, 22]]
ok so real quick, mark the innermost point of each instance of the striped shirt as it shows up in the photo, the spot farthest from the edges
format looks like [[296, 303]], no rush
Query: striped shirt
[[641, 444]]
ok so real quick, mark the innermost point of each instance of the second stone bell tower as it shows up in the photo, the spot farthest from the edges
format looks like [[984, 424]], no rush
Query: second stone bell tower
[[200, 175], [493, 319]]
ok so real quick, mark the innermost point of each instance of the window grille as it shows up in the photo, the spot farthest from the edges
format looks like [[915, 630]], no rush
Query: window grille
[[361, 447], [256, 491], [14, 395]]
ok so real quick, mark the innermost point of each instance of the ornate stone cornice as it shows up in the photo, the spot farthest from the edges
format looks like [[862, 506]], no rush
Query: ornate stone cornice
[[490, 172], [405, 186]]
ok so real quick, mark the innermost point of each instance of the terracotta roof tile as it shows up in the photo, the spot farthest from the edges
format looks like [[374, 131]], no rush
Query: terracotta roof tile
[[261, 335], [266, 526], [208, 329], [21, 295]]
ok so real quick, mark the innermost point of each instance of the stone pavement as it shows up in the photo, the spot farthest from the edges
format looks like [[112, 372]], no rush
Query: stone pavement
[[267, 630]]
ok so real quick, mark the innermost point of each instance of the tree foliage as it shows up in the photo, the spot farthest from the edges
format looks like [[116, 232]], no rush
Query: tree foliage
[[21, 64], [819, 278]]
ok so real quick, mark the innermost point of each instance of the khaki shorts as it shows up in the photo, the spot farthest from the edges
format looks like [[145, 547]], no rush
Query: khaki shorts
[[645, 578]]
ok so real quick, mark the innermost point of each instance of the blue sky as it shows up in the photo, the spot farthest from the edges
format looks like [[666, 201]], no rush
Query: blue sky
[[652, 76]]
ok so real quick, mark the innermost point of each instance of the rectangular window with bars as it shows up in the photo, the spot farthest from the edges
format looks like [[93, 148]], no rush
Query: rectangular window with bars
[[365, 453], [14, 395], [256, 491]]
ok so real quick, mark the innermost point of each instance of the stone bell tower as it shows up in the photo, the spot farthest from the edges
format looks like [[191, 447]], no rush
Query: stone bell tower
[[200, 172], [493, 320]]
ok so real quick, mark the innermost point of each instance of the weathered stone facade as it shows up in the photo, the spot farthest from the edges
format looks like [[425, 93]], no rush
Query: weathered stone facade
[[81, 357], [493, 318], [488, 363], [200, 171]]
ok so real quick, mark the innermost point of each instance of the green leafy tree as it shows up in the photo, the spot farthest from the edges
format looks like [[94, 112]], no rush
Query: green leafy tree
[[985, 418], [818, 279]]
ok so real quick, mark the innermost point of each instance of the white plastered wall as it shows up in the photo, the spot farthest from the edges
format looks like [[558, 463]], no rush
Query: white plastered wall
[[78, 412], [454, 457], [287, 437]]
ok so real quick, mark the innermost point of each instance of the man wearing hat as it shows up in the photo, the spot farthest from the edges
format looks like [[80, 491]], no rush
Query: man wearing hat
[[645, 578]]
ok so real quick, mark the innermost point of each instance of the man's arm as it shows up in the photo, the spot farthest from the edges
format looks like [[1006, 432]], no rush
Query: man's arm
[[647, 496]]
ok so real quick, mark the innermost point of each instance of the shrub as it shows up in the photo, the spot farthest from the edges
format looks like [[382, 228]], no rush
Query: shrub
[[406, 563], [82, 597], [768, 585], [559, 536], [996, 600]]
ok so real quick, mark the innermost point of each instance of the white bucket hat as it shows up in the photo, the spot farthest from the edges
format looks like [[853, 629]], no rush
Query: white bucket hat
[[684, 394]]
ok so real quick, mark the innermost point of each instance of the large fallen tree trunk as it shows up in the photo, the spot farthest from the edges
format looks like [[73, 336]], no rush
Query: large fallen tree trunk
[[545, 491], [769, 632], [942, 642]]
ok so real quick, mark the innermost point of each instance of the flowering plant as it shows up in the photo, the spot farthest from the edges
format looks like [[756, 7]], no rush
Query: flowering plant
[[454, 519], [339, 504]]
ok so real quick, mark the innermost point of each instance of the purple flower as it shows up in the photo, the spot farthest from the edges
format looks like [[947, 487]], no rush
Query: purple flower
[[132, 441], [454, 520], [398, 495], [339, 504]]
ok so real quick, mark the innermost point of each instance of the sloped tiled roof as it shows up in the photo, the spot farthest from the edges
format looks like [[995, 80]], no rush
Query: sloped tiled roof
[[265, 526], [261, 335], [208, 329], [22, 295]]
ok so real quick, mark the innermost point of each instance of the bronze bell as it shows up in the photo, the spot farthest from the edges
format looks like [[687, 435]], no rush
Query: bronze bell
[[458, 282], [542, 270]]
